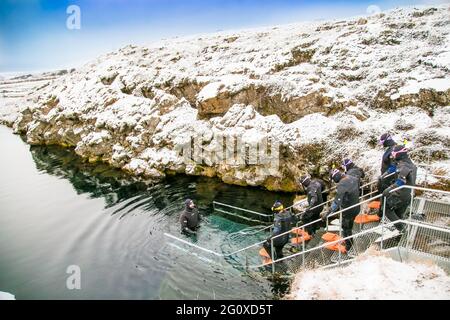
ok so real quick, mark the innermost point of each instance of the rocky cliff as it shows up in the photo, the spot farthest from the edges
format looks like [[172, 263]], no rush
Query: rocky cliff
[[308, 94]]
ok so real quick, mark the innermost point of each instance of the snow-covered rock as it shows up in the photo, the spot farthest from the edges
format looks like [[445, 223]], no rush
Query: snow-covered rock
[[315, 92], [373, 277], [6, 296]]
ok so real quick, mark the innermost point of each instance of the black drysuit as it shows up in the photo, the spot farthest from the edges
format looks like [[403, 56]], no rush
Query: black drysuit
[[398, 201], [347, 195], [386, 179], [316, 198], [189, 220], [357, 172], [281, 224], [386, 160]]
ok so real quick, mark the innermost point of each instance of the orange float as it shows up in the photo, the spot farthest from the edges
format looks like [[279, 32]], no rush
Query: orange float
[[331, 237], [300, 236], [337, 247], [265, 255], [366, 218], [374, 205]]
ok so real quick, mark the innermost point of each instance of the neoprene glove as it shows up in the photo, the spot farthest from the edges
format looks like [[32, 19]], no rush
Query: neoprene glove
[[386, 192], [391, 169], [325, 216], [187, 230]]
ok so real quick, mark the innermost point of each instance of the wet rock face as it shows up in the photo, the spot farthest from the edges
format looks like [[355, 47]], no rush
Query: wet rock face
[[309, 94]]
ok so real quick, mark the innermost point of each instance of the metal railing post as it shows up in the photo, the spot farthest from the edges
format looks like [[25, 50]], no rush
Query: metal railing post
[[273, 257], [340, 235], [411, 204], [303, 248], [409, 229], [383, 221]]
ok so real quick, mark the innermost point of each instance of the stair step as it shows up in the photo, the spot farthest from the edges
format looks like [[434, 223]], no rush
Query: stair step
[[334, 228], [388, 234]]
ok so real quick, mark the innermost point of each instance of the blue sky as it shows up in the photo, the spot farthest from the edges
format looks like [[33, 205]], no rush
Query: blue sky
[[34, 36]]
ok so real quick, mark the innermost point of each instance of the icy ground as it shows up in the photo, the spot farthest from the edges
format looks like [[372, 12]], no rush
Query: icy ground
[[373, 277]]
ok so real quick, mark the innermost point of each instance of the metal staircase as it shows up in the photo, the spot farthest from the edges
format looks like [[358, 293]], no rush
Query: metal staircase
[[426, 236]]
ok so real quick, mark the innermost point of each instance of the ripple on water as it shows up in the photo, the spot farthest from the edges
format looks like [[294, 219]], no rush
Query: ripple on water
[[113, 227]]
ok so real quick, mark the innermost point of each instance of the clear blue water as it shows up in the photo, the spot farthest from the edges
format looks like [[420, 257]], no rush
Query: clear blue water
[[57, 211]]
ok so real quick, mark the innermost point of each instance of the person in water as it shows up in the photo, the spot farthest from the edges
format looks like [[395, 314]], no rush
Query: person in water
[[189, 218]]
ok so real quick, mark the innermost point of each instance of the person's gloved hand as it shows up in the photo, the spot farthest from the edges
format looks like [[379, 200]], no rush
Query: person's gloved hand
[[205, 219], [391, 169], [334, 207], [325, 215], [386, 192], [189, 231], [306, 214]]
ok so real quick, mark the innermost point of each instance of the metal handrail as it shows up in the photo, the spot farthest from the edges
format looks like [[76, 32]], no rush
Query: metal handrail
[[367, 185], [331, 215], [412, 188], [303, 226], [326, 202], [241, 209], [211, 251], [248, 247], [323, 203], [422, 189], [361, 187], [193, 245], [375, 181], [358, 204], [384, 225]]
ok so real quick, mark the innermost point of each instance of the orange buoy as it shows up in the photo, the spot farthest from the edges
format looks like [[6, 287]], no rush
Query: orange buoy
[[299, 233], [374, 205], [266, 256], [329, 236], [297, 240], [337, 247], [366, 218], [264, 253]]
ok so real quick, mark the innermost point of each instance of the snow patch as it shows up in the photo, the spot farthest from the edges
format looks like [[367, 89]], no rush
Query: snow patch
[[6, 296], [414, 86], [373, 278]]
